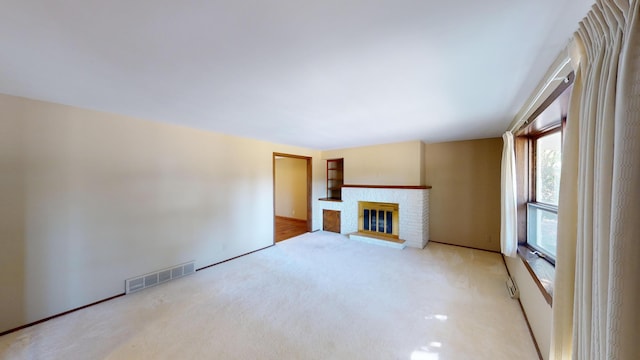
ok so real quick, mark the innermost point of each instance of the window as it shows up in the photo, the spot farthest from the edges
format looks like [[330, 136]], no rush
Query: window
[[542, 209], [548, 151], [539, 163]]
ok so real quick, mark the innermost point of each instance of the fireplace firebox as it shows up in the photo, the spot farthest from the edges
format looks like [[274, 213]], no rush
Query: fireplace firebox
[[378, 219]]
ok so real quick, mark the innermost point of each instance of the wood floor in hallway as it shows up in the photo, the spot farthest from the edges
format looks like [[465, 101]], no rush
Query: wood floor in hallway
[[286, 228]]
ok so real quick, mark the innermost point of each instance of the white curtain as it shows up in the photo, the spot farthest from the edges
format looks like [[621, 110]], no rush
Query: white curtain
[[597, 285], [508, 213]]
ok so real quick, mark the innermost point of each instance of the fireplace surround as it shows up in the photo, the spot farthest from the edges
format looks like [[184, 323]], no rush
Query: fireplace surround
[[413, 209]]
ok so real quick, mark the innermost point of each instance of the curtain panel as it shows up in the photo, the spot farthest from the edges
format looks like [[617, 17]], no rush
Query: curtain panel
[[597, 286], [508, 198]]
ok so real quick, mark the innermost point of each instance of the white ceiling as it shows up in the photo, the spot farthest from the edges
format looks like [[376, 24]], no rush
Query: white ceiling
[[319, 74]]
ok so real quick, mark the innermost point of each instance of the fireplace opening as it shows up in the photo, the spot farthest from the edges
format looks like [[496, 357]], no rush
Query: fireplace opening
[[378, 219]]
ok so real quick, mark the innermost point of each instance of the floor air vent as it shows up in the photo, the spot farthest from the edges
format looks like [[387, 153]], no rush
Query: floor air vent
[[158, 277], [512, 289]]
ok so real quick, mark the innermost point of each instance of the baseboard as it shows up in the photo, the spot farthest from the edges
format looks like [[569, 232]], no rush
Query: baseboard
[[463, 246], [109, 298], [58, 315], [233, 258]]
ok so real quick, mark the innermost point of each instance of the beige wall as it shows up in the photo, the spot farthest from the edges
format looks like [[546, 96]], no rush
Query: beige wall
[[291, 188], [465, 199], [535, 306], [89, 199], [388, 164], [465, 210]]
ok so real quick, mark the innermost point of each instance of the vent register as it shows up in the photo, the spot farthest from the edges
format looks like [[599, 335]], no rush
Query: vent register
[[512, 289], [158, 277]]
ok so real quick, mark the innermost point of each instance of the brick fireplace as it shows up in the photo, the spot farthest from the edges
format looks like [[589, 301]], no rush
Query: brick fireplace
[[412, 222]]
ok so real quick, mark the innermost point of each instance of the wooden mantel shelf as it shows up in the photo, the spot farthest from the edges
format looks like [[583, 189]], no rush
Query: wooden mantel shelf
[[410, 187], [330, 199]]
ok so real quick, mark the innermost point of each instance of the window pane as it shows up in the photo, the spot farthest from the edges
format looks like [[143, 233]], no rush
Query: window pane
[[548, 163], [542, 230]]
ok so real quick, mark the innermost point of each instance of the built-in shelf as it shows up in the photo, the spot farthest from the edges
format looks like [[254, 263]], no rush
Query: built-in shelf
[[330, 199], [335, 178]]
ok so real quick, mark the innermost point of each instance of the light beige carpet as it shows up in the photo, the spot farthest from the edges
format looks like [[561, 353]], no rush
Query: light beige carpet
[[317, 296]]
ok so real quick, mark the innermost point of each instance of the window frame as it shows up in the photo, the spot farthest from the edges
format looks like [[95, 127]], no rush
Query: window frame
[[526, 138]]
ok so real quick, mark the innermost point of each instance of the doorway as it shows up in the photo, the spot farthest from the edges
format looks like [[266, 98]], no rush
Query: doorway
[[291, 196]]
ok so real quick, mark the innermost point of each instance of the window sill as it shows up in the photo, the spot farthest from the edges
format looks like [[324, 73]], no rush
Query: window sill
[[542, 272]]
